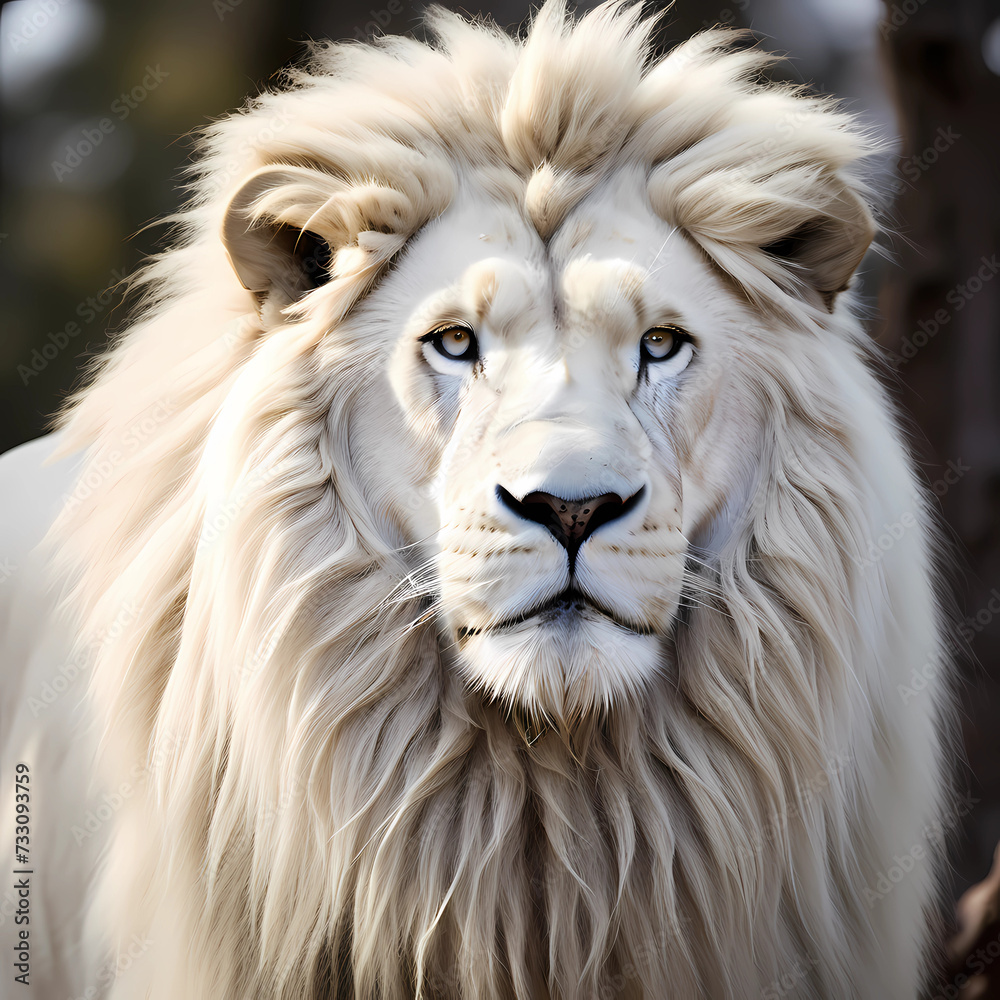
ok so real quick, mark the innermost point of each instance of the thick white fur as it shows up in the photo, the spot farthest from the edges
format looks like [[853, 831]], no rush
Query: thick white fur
[[333, 791]]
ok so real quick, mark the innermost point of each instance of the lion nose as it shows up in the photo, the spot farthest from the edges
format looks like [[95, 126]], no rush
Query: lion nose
[[571, 522]]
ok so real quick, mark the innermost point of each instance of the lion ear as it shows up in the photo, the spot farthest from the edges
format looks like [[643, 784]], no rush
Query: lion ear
[[264, 232], [805, 228], [825, 251]]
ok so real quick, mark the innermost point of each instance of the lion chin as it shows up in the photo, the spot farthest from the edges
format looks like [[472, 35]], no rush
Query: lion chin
[[561, 660], [469, 555]]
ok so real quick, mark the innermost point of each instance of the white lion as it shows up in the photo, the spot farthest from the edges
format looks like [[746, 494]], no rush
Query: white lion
[[477, 554]]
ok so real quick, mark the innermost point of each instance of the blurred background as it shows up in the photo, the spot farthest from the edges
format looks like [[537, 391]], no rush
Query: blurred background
[[100, 99]]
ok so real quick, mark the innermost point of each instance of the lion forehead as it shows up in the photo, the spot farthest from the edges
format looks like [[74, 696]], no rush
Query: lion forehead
[[610, 263]]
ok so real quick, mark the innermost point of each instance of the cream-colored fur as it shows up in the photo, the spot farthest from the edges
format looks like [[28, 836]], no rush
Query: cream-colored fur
[[359, 763]]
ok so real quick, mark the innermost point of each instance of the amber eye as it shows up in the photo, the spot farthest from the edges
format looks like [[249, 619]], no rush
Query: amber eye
[[456, 343], [662, 342]]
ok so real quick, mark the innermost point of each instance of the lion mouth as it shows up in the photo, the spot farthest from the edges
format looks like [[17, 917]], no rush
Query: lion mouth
[[564, 609]]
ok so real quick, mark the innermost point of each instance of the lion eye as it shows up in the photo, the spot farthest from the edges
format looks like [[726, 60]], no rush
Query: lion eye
[[456, 343], [662, 343]]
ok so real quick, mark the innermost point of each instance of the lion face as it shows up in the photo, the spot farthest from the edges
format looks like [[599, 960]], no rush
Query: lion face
[[562, 349], [565, 404]]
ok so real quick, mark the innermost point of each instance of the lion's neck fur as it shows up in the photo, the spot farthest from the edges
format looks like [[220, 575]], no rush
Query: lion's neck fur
[[422, 837]]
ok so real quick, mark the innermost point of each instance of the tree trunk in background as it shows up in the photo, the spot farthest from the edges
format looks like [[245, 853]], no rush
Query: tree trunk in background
[[940, 320]]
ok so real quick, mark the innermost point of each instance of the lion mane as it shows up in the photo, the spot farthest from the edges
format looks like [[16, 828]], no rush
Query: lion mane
[[327, 807]]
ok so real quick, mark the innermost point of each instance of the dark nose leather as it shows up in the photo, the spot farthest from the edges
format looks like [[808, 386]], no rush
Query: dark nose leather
[[571, 522]]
